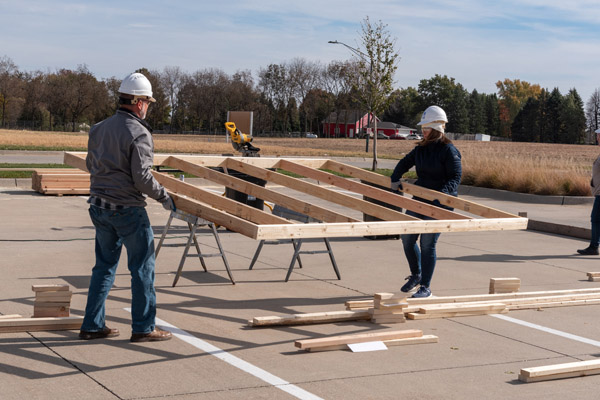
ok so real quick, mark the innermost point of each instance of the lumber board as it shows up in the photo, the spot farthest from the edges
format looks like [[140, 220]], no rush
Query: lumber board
[[559, 371], [371, 192], [61, 191], [445, 308], [50, 288], [10, 316], [211, 214], [311, 189], [418, 315], [223, 203], [394, 342], [314, 211], [357, 338], [310, 318], [75, 159], [221, 161], [39, 324], [351, 229], [451, 201]]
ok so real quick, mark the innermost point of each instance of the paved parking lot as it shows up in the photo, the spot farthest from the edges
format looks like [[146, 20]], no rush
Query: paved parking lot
[[45, 239]]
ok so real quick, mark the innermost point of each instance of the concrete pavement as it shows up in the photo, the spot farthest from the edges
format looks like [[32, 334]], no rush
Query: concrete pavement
[[46, 239]]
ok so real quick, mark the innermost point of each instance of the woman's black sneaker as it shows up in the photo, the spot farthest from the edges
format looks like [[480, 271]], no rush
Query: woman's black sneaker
[[423, 291], [413, 281], [589, 251]]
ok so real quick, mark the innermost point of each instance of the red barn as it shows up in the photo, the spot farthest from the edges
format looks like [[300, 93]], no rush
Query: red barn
[[346, 123]]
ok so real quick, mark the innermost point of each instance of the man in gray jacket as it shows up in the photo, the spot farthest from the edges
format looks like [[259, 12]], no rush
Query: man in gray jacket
[[119, 159]]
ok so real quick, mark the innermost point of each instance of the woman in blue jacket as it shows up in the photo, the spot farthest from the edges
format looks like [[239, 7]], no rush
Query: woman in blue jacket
[[438, 167]]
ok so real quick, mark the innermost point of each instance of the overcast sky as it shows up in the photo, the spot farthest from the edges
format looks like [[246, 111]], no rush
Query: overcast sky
[[549, 42]]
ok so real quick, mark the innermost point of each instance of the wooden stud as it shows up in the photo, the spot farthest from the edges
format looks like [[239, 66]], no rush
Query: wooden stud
[[394, 342], [50, 288], [40, 324], [357, 338], [310, 318], [560, 371]]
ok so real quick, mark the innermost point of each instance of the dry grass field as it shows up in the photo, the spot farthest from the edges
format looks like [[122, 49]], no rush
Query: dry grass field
[[521, 167]]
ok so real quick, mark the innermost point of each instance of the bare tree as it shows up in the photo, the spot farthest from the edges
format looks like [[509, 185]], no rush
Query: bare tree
[[376, 71], [171, 79], [11, 91], [304, 77], [592, 115]]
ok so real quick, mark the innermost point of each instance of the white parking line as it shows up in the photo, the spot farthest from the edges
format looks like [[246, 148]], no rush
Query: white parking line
[[237, 362], [548, 330]]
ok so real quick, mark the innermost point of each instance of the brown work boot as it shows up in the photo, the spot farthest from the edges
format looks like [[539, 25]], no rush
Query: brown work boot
[[154, 336], [104, 333]]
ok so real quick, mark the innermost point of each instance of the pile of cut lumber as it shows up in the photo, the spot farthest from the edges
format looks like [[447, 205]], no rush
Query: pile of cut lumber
[[51, 301], [389, 338], [59, 181], [504, 285], [455, 306], [388, 308], [385, 308]]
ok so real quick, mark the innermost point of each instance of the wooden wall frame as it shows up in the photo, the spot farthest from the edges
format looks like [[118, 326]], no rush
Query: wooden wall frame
[[259, 224]]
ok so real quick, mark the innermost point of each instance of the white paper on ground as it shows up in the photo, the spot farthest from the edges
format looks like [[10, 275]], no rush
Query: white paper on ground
[[367, 346]]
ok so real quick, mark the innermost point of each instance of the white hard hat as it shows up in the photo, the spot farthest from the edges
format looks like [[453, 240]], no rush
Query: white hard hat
[[597, 130], [433, 114], [138, 86]]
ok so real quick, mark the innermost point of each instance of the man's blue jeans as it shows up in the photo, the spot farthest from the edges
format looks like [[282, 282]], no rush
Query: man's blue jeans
[[595, 241], [421, 261], [114, 228]]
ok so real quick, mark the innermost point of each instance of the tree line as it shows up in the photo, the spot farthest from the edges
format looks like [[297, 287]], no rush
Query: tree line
[[292, 96]]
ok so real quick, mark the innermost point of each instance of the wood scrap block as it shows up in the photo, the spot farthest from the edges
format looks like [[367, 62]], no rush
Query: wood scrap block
[[358, 304], [50, 288], [40, 324], [53, 297], [395, 319], [310, 318], [559, 371], [358, 338], [504, 285], [383, 296], [40, 312], [593, 276]]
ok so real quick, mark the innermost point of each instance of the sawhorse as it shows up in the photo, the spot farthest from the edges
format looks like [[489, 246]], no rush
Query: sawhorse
[[297, 243], [193, 223]]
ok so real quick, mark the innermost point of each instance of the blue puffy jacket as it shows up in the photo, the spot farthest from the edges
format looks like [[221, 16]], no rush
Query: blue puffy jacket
[[438, 167]]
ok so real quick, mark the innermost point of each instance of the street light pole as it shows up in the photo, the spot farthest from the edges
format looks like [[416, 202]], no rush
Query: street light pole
[[366, 58]]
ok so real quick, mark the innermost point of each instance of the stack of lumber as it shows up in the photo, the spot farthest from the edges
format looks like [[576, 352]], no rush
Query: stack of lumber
[[388, 308], [51, 301], [389, 338], [559, 371], [20, 324], [504, 285], [60, 181], [593, 276], [453, 306]]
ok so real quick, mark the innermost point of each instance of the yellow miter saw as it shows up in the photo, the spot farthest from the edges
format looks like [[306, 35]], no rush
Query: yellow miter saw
[[241, 141]]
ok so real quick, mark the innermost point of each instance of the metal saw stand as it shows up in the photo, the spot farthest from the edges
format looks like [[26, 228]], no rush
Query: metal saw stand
[[297, 243], [193, 223]]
